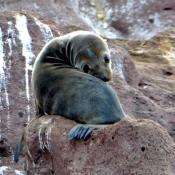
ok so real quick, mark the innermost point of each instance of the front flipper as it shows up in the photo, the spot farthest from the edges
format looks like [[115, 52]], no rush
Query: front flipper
[[83, 131]]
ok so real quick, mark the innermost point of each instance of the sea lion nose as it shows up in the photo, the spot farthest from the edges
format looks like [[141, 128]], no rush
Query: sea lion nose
[[104, 78]]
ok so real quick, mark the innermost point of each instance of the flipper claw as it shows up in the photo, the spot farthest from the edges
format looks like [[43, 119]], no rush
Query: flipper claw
[[81, 132]]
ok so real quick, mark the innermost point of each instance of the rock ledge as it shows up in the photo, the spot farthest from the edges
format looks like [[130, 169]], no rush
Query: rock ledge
[[131, 146]]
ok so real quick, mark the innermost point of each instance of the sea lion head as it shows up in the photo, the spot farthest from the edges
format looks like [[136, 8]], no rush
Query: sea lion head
[[93, 57]]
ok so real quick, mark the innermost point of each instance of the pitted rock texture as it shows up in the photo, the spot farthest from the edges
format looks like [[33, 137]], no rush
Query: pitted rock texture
[[22, 35], [144, 81], [59, 11], [155, 63], [131, 146], [136, 19]]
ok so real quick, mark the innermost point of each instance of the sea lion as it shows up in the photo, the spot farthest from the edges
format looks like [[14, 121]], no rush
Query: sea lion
[[69, 79]]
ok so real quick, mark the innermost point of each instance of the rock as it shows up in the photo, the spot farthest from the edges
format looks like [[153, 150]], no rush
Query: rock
[[61, 12], [22, 35], [131, 146], [144, 76], [155, 63], [146, 82], [138, 20], [9, 170]]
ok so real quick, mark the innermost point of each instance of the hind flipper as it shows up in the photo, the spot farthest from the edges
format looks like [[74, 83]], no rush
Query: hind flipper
[[83, 131], [19, 148]]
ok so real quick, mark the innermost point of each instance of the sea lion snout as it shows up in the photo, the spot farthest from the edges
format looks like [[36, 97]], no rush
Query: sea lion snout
[[103, 72], [95, 67], [104, 78]]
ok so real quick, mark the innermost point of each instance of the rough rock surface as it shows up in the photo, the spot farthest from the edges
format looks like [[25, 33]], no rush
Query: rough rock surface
[[144, 83], [128, 147], [151, 78], [59, 11], [155, 63], [136, 19]]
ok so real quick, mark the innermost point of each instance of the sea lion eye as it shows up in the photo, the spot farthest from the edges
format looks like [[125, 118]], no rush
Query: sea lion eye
[[106, 58], [86, 68]]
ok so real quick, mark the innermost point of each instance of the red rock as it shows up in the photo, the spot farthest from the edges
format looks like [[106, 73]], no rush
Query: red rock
[[144, 81], [137, 19], [131, 146]]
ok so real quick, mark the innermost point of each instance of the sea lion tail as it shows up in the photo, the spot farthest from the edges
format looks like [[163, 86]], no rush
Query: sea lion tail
[[19, 148]]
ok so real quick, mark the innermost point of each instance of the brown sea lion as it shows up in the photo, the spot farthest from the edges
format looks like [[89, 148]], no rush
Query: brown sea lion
[[68, 79]]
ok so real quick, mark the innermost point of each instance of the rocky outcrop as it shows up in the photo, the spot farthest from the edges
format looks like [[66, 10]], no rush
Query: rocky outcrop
[[146, 82], [136, 19], [144, 79], [128, 147], [127, 19], [60, 11], [22, 35], [155, 63]]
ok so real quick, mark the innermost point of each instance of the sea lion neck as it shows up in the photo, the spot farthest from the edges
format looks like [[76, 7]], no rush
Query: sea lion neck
[[55, 52]]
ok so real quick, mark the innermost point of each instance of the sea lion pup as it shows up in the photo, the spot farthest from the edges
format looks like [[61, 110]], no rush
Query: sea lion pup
[[68, 79]]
